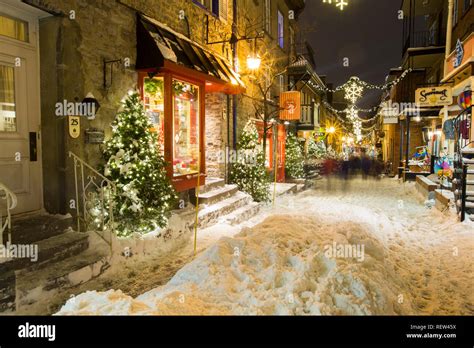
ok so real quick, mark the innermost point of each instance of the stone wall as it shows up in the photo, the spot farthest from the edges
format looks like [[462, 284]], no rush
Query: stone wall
[[216, 134], [74, 45]]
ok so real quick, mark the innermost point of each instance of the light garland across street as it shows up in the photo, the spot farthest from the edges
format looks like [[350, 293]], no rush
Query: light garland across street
[[361, 83]]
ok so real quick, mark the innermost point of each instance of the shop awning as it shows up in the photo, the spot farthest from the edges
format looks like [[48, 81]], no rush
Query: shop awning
[[433, 112], [159, 48]]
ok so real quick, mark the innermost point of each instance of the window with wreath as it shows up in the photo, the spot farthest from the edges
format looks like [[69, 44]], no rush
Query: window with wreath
[[186, 127]]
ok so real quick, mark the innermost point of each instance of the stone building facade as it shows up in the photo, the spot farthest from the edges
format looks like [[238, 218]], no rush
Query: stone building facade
[[76, 37]]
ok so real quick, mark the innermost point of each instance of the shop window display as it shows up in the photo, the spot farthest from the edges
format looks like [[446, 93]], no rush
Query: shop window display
[[154, 106], [185, 128]]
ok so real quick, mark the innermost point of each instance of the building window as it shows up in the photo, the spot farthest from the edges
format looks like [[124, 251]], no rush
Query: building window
[[292, 39], [154, 101], [281, 30], [186, 126], [7, 99], [217, 7], [316, 115], [467, 5], [281, 82], [13, 28], [268, 14]]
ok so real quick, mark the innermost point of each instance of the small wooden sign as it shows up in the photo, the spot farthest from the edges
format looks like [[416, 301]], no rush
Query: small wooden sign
[[434, 96], [74, 126], [290, 103]]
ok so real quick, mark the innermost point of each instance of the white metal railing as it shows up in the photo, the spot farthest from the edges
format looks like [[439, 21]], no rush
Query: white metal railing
[[94, 199], [11, 203]]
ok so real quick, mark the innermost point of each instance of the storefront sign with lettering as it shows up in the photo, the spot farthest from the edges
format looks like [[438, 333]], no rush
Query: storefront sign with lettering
[[434, 96]]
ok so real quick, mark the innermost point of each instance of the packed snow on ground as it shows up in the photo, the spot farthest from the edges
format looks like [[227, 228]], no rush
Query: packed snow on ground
[[415, 260]]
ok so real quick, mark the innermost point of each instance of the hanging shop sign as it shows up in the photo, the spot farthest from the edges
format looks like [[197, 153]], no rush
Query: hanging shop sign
[[74, 126], [290, 103], [434, 96], [458, 54]]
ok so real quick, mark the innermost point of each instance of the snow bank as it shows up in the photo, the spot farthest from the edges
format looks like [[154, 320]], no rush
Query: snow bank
[[415, 261], [269, 270]]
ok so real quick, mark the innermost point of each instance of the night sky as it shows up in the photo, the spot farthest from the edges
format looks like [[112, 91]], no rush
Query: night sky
[[368, 32]]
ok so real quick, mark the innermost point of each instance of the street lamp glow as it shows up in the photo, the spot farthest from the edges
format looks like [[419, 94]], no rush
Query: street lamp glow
[[253, 62], [331, 130]]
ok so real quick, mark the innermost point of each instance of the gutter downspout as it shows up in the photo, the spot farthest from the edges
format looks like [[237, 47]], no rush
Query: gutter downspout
[[235, 57], [449, 39], [449, 35]]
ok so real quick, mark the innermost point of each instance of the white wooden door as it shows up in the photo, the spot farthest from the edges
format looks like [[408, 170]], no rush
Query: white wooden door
[[20, 150]]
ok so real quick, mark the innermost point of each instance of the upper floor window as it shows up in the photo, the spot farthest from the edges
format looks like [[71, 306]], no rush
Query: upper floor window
[[281, 83], [268, 16], [467, 5], [217, 7], [281, 30], [13, 28]]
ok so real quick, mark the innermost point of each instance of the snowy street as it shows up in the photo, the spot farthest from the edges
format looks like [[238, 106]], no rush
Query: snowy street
[[356, 248]]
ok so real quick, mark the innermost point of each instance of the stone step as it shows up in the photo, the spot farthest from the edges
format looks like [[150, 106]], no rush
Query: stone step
[[38, 286], [7, 292], [211, 184], [468, 193], [210, 215], [468, 150], [217, 195], [469, 205], [51, 250], [468, 160], [242, 214], [32, 229]]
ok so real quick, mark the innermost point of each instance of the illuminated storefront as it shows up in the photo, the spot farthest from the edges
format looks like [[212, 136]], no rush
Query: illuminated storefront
[[174, 76]]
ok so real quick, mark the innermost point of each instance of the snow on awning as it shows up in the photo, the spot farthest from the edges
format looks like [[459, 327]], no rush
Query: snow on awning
[[158, 46]]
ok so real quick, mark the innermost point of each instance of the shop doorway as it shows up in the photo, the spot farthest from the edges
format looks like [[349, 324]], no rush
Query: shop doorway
[[20, 150]]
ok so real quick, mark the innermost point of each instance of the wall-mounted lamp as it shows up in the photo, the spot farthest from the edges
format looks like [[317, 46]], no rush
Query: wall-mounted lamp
[[91, 105], [253, 62]]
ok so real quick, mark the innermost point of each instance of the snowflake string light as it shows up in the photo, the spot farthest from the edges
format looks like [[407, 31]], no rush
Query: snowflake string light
[[353, 90], [341, 4], [352, 113]]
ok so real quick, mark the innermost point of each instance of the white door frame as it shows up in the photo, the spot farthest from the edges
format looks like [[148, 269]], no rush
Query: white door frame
[[18, 9]]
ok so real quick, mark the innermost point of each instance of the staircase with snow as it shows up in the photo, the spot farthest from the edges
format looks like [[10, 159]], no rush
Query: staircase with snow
[[464, 192], [463, 181], [221, 203], [65, 259]]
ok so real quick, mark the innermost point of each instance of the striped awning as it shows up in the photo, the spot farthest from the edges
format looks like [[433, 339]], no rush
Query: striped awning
[[157, 44]]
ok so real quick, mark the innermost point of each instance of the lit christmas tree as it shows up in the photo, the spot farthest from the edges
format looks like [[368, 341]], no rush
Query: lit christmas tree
[[316, 150], [294, 158], [145, 196], [248, 171]]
